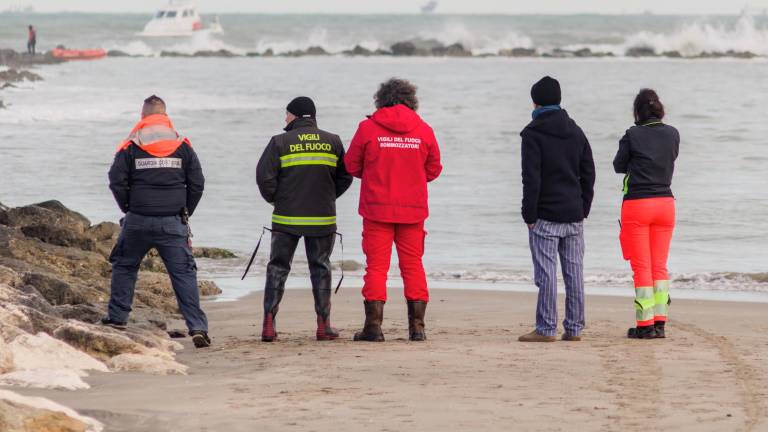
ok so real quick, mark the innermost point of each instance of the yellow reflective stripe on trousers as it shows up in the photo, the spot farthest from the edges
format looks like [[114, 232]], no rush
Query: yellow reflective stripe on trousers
[[644, 303], [298, 159], [304, 221], [661, 297]]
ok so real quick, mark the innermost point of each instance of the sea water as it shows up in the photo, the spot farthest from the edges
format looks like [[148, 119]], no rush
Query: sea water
[[58, 136]]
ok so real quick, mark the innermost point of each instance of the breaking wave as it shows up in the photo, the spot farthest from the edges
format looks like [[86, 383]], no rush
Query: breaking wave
[[725, 281], [694, 39], [716, 281]]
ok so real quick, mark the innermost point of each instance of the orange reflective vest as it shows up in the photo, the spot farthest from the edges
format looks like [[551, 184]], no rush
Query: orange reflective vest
[[155, 135]]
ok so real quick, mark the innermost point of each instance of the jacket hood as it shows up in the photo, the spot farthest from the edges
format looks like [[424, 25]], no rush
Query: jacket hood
[[398, 118], [554, 123]]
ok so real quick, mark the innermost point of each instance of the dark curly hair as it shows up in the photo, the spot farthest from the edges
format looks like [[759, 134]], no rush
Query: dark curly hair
[[396, 91], [648, 105]]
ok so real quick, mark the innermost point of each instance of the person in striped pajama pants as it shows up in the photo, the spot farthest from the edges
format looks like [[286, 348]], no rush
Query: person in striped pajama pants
[[548, 240], [558, 187]]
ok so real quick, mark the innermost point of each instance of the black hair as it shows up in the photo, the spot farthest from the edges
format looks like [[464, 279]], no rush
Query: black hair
[[648, 106], [396, 91]]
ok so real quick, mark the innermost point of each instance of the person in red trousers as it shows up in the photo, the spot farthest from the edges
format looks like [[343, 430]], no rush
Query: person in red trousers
[[646, 156], [395, 153]]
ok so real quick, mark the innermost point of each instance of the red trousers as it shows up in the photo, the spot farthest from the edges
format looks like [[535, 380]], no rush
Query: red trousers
[[377, 246], [646, 233]]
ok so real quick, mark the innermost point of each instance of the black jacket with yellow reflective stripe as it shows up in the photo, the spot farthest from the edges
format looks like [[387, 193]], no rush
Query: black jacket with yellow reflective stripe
[[301, 173], [647, 155]]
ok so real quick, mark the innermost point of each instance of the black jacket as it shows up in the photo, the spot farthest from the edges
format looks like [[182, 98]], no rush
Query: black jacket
[[558, 170], [152, 186], [302, 173], [647, 155]]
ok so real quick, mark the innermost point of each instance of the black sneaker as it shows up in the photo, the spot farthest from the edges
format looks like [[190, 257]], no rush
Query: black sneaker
[[109, 322], [200, 339]]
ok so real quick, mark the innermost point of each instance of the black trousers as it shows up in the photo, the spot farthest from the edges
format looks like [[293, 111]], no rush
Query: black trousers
[[319, 250]]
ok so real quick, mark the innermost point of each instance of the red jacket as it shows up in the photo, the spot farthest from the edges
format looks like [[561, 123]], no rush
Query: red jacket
[[395, 153]]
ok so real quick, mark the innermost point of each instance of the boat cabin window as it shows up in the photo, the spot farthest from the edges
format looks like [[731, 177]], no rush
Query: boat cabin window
[[171, 14], [187, 13], [160, 14]]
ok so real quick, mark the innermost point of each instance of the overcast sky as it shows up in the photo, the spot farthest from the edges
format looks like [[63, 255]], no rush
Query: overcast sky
[[407, 6]]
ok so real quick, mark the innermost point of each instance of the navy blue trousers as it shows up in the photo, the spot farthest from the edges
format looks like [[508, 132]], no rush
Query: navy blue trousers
[[170, 237]]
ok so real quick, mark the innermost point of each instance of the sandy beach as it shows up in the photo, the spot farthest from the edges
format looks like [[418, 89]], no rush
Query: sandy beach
[[472, 374]]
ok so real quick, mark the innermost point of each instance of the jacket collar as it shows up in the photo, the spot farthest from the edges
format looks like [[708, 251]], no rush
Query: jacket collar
[[653, 121], [301, 122]]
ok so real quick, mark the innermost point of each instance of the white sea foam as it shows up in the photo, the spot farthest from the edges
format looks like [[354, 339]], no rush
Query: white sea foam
[[457, 32], [690, 39], [696, 38]]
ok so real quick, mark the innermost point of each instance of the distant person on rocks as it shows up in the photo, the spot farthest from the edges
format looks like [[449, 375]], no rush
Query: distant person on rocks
[[646, 157], [396, 154], [558, 187], [157, 181], [31, 40], [301, 173]]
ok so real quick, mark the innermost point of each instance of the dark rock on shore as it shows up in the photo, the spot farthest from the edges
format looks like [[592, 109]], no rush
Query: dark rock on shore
[[212, 253], [728, 54], [15, 75], [404, 49], [55, 277], [222, 53], [641, 52], [173, 54], [519, 52], [117, 53], [14, 59], [455, 50], [65, 258], [359, 51]]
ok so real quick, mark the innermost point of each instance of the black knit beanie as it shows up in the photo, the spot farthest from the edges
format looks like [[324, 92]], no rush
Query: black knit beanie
[[546, 92], [302, 106]]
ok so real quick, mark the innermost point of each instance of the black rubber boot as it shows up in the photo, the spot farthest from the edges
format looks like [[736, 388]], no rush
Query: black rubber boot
[[416, 311], [319, 250], [374, 315], [644, 332], [659, 327], [280, 259]]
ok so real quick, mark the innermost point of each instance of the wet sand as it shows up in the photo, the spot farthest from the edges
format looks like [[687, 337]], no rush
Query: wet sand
[[711, 374]]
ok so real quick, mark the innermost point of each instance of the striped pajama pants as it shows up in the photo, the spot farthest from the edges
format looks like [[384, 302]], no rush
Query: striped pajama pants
[[547, 241]]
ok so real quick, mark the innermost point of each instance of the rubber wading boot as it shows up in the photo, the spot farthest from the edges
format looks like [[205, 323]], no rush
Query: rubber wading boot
[[416, 310], [374, 315], [659, 327], [268, 332], [325, 331], [644, 332]]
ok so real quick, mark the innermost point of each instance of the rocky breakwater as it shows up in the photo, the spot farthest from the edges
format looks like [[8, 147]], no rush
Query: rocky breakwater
[[15, 62], [10, 77], [54, 285]]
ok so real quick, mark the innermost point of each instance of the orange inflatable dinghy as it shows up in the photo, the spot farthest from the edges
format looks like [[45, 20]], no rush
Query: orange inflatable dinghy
[[72, 54]]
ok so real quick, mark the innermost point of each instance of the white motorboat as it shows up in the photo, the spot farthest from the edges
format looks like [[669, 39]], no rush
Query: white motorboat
[[176, 19]]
